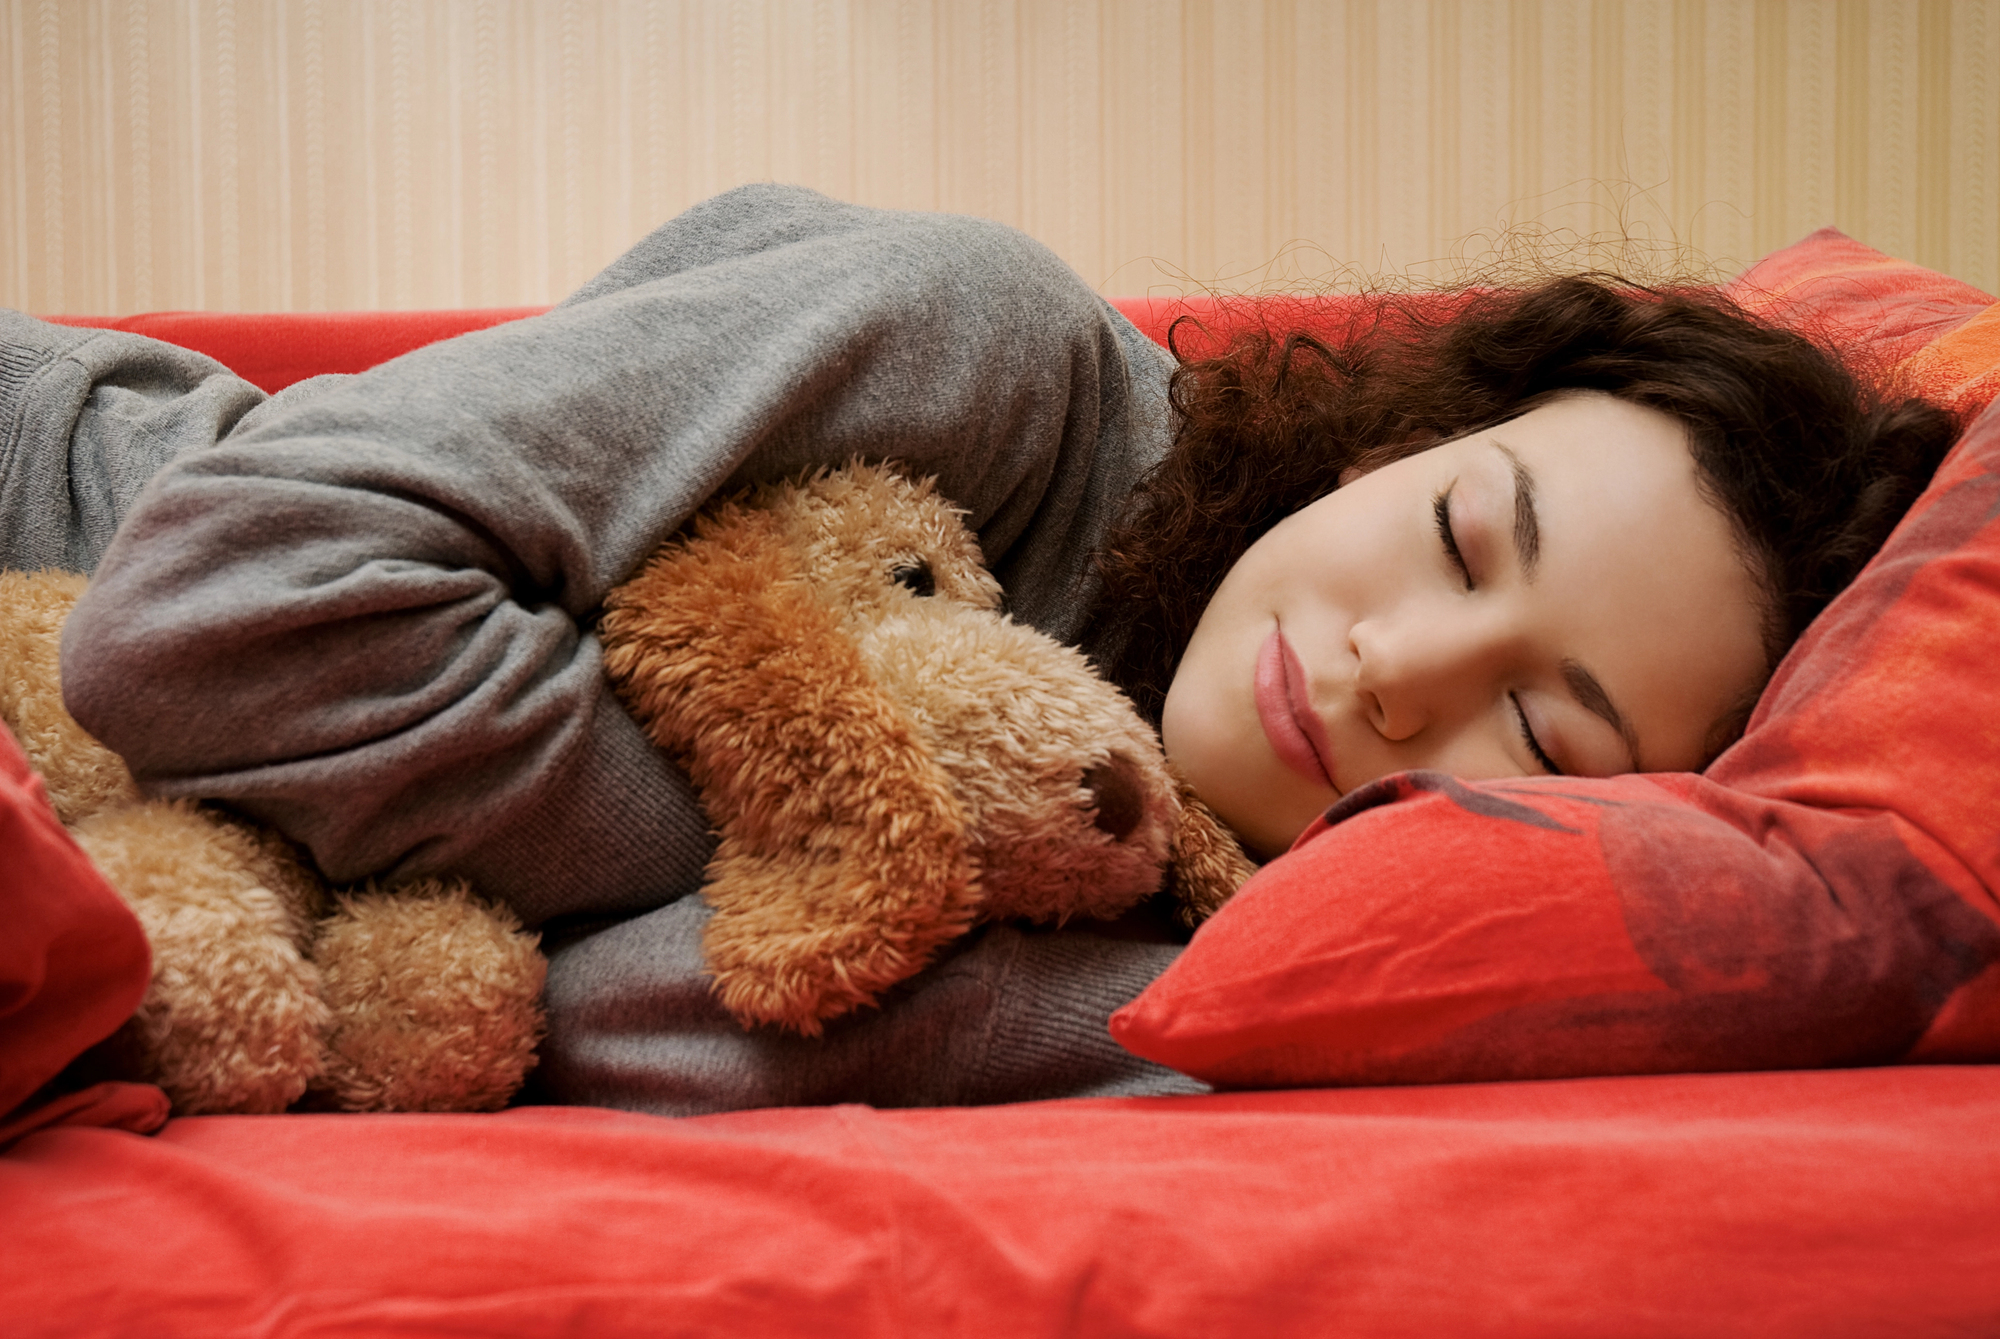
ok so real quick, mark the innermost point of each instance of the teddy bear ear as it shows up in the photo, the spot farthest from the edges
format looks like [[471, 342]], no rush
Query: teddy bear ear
[[1209, 864], [843, 862]]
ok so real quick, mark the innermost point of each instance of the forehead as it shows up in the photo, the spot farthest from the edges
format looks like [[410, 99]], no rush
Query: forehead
[[1640, 576]]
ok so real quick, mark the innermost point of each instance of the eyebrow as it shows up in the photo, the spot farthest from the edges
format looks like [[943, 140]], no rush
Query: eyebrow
[[1583, 685], [1527, 521], [1585, 688]]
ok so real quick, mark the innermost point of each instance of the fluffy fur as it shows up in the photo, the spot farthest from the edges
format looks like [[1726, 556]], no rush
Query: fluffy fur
[[886, 757], [267, 989]]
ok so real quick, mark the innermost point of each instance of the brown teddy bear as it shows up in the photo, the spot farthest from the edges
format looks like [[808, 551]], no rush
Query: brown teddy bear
[[886, 757], [269, 988]]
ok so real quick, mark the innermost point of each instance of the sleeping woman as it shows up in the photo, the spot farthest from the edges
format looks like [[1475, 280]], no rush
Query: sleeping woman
[[1570, 529]]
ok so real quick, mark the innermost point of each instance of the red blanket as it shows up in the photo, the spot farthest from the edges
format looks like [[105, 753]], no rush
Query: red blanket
[[1813, 1204]]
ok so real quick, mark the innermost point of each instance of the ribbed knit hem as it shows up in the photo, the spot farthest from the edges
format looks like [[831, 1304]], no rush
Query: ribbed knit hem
[[1048, 1035], [574, 853]]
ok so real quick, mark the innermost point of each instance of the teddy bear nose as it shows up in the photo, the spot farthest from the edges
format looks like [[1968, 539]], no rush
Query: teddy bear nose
[[1121, 803]]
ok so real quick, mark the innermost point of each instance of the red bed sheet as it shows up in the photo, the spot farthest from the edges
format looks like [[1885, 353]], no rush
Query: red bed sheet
[[1827, 1204]]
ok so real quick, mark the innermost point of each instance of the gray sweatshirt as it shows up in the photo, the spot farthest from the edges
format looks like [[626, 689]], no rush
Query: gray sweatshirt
[[360, 609]]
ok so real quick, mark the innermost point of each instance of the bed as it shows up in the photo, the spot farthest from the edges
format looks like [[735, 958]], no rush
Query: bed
[[1652, 1056]]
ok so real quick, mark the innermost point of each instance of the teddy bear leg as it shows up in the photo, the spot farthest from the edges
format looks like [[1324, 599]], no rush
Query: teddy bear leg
[[233, 1019], [436, 1000]]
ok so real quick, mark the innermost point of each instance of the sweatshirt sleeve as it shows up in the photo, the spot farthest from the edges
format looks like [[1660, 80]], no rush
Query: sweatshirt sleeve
[[364, 614]]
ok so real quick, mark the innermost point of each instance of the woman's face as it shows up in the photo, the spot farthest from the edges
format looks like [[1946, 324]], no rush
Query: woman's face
[[1551, 595]]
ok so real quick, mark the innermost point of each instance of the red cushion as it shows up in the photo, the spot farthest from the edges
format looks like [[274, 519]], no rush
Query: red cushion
[[73, 960], [1823, 896]]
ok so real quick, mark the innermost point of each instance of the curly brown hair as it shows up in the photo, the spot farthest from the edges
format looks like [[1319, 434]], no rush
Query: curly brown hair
[[1814, 461]]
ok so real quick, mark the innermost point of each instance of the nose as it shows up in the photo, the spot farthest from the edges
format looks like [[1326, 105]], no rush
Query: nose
[[1414, 673], [1117, 797]]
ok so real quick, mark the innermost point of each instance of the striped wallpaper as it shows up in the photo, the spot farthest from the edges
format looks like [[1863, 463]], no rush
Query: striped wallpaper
[[312, 154]]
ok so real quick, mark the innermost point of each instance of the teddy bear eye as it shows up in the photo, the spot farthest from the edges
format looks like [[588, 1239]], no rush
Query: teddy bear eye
[[917, 577]]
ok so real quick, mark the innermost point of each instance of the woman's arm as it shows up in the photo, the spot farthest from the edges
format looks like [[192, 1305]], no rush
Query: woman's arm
[[363, 614]]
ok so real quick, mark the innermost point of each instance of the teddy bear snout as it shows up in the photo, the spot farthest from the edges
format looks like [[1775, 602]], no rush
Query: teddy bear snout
[[1118, 796]]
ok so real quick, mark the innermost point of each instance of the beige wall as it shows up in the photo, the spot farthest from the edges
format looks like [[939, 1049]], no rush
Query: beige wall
[[277, 154]]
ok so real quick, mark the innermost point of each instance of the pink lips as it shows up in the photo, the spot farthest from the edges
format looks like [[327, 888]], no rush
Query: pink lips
[[1284, 707]]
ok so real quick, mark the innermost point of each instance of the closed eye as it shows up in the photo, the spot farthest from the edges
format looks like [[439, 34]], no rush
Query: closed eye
[[1534, 744], [1441, 508]]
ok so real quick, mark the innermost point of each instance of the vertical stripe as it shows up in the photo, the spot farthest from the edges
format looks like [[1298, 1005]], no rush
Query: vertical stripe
[[1932, 159], [1770, 157], [1080, 85], [1280, 140], [1198, 135], [1851, 117], [1690, 125], [1647, 130], [1812, 34], [1405, 132], [1891, 130], [107, 235], [1443, 58], [569, 78], [908, 118], [1561, 128], [1729, 76], [198, 166], [1524, 77], [17, 96], [453, 58], [486, 155], [1484, 132], [370, 213], [1607, 111], [825, 69], [228, 222], [1363, 186], [656, 119], [49, 85], [139, 114], [279, 56], [1976, 144], [315, 115], [402, 208]]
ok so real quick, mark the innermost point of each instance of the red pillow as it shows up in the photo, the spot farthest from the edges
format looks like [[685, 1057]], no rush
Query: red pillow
[[1856, 297], [73, 960], [1822, 896]]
